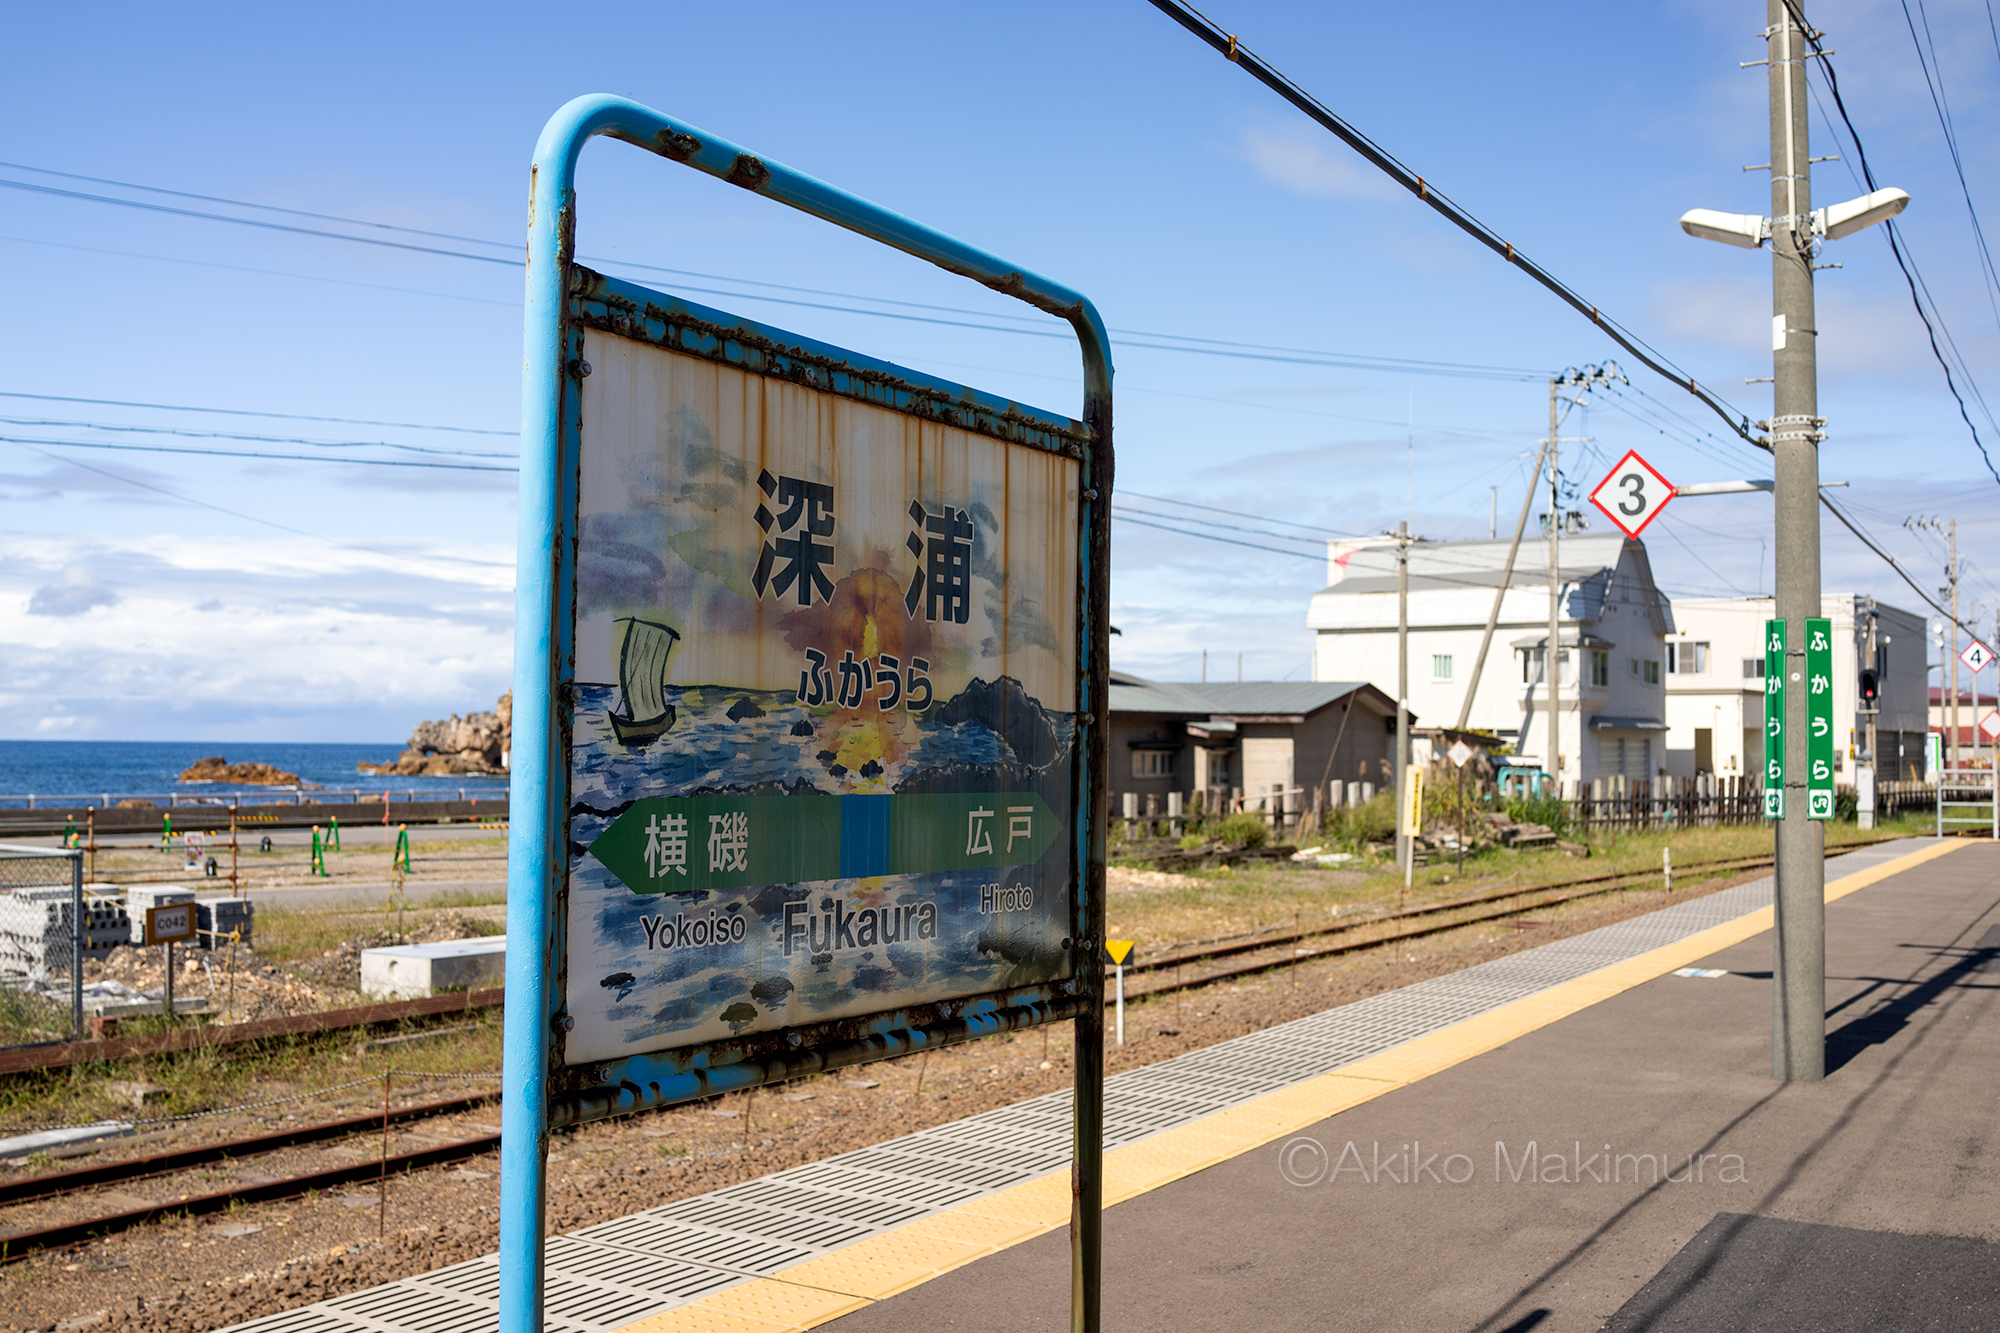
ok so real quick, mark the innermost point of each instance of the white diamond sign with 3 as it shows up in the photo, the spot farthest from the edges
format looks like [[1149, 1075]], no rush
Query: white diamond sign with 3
[[1633, 495]]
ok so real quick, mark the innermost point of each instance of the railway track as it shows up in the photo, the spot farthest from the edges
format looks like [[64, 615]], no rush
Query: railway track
[[20, 1244], [1543, 896]]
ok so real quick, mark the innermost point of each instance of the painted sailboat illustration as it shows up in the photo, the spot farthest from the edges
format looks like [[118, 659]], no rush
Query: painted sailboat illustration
[[642, 682]]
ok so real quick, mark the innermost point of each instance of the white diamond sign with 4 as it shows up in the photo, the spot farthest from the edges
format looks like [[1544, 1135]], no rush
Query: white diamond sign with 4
[[1976, 655], [1633, 495]]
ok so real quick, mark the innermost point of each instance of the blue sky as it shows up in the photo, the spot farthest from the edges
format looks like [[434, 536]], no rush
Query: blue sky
[[1097, 143]]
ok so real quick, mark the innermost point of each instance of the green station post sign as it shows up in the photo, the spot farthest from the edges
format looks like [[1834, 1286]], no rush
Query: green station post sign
[[1819, 718], [1774, 719]]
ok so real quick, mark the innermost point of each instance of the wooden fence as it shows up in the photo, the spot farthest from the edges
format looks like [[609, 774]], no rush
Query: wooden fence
[[1668, 802]]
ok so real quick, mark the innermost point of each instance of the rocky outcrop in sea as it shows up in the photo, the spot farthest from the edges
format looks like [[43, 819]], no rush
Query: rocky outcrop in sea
[[474, 744]]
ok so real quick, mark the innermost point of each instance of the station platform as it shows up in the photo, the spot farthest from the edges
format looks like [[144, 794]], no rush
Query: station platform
[[1577, 1136]]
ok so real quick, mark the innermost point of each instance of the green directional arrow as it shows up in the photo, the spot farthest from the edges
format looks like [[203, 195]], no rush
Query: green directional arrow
[[677, 844]]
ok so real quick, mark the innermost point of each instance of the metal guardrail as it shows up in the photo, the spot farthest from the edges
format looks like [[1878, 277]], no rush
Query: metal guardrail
[[300, 795], [1968, 790]]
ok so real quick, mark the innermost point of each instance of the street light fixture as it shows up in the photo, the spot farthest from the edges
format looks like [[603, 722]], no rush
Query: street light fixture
[[1750, 230]]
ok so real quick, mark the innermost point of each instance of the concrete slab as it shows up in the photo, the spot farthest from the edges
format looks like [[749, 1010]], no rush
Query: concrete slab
[[1646, 1117], [407, 971], [24, 1145]]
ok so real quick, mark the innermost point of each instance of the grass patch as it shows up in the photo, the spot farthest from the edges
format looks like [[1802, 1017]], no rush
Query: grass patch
[[208, 1078], [1228, 901]]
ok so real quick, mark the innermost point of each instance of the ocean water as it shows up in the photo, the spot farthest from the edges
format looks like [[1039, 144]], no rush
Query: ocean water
[[146, 768]]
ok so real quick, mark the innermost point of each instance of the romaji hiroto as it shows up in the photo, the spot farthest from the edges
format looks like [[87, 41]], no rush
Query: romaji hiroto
[[806, 506]]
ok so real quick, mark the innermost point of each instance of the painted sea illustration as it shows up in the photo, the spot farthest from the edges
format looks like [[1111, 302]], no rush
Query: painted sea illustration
[[822, 730]]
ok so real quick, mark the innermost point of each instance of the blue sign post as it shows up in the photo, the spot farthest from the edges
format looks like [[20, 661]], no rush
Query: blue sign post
[[809, 756]]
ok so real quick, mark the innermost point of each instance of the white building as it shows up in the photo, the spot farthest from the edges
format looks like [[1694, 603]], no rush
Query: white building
[[1613, 625], [1715, 686]]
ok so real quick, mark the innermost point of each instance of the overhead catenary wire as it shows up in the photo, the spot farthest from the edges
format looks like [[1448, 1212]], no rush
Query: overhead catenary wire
[[1237, 53]]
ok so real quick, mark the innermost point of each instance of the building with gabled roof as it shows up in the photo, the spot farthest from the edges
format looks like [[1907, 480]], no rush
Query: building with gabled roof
[[1613, 623], [1251, 738]]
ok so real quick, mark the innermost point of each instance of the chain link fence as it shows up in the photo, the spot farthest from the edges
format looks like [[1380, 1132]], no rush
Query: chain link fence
[[47, 930]]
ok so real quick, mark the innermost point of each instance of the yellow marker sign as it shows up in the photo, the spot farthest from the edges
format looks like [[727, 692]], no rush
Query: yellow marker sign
[[1413, 802], [1119, 950]]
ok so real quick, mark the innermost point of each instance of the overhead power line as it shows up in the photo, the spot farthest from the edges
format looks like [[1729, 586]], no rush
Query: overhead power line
[[1226, 43], [245, 412], [162, 490], [128, 429], [250, 453], [1158, 341], [1892, 234], [1876, 547]]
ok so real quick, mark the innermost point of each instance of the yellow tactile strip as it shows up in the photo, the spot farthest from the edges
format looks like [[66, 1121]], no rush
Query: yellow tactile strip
[[824, 1288]]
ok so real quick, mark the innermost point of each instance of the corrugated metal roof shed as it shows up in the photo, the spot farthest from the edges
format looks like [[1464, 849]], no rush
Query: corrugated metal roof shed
[[1129, 694]]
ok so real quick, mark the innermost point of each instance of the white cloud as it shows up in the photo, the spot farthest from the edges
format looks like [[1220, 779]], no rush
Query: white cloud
[[73, 593], [216, 637], [1292, 160]]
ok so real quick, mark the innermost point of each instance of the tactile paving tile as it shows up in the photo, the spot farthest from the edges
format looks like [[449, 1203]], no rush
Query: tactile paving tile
[[620, 1271]]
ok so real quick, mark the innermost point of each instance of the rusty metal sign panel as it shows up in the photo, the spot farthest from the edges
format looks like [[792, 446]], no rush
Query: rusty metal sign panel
[[823, 728], [809, 753]]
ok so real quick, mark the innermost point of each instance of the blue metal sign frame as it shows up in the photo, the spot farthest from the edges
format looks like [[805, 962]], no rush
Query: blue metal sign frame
[[563, 300]]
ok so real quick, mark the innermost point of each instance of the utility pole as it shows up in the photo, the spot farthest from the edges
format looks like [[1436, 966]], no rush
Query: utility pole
[[1872, 713], [1405, 847], [1798, 1014], [1552, 654], [1951, 708], [1799, 966], [1582, 381], [1500, 593]]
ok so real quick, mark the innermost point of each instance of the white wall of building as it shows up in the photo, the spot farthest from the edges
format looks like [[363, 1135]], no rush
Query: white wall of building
[[1356, 639], [1729, 704]]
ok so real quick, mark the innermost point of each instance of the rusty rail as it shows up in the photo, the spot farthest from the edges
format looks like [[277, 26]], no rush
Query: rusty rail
[[57, 1055], [22, 1244], [136, 1168]]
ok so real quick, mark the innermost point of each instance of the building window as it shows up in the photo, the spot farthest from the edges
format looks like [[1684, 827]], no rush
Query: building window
[[1600, 668], [1687, 659], [1531, 666], [1652, 672], [1440, 666], [1630, 758], [1152, 763], [1753, 668]]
